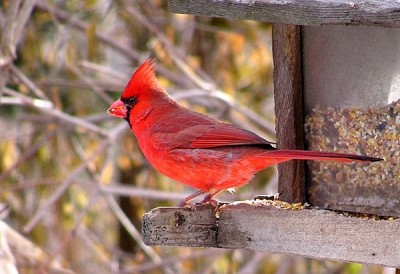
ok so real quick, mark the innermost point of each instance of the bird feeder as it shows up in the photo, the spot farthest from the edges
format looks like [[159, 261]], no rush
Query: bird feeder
[[336, 84]]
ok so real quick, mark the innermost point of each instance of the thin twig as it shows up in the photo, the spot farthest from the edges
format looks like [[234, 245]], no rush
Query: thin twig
[[173, 260], [27, 154], [20, 22], [27, 185], [78, 222], [206, 85], [130, 191], [92, 84], [105, 84], [12, 100], [55, 112], [28, 82], [131, 229], [285, 265], [27, 251], [104, 70], [107, 40], [8, 33], [6, 41], [252, 264], [43, 208], [96, 244]]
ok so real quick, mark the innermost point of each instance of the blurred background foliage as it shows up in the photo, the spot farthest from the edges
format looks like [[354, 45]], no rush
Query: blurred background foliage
[[69, 173]]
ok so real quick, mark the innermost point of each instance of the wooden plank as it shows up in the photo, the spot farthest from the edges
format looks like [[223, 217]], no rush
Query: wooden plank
[[177, 226], [286, 47], [312, 12], [309, 232]]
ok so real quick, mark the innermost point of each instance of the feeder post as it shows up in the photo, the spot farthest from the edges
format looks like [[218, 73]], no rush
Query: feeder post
[[288, 93]]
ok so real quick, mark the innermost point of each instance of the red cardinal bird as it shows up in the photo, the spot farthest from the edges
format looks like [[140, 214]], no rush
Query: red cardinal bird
[[195, 149]]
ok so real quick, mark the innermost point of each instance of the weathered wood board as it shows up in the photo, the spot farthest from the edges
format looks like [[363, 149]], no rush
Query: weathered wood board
[[288, 96], [177, 226], [308, 232], [312, 12]]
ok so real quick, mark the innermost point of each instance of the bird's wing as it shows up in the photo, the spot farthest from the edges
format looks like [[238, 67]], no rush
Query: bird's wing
[[210, 136]]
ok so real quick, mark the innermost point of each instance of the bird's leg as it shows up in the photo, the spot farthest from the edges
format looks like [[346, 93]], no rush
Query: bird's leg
[[185, 202], [209, 198]]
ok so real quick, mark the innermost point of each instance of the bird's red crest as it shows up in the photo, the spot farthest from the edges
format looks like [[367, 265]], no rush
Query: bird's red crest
[[143, 80]]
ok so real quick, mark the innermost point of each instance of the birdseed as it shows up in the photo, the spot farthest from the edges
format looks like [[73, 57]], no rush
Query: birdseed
[[369, 188]]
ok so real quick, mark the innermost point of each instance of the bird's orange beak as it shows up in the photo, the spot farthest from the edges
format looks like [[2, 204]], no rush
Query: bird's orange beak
[[117, 109]]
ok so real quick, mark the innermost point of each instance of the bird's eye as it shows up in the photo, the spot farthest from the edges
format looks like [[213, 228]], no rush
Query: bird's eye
[[131, 101]]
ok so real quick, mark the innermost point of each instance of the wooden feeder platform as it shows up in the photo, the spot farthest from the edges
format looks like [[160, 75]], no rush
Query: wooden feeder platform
[[314, 233]]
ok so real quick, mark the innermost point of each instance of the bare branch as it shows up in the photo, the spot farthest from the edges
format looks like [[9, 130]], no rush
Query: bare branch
[[252, 263], [7, 40], [113, 43], [104, 70], [45, 205], [55, 112], [20, 22], [173, 52], [23, 249], [112, 203], [11, 100], [92, 84], [28, 154], [104, 83], [28, 82], [205, 254], [123, 190]]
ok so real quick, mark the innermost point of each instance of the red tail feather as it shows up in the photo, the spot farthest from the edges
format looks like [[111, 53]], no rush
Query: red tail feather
[[317, 155]]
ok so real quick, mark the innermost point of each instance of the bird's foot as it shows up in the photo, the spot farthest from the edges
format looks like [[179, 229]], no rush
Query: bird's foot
[[208, 200], [185, 203]]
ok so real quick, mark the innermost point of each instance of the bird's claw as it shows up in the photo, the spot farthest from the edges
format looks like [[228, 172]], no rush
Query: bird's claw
[[208, 200], [185, 204]]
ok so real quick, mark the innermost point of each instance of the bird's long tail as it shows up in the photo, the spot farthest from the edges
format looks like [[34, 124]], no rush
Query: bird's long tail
[[285, 155]]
